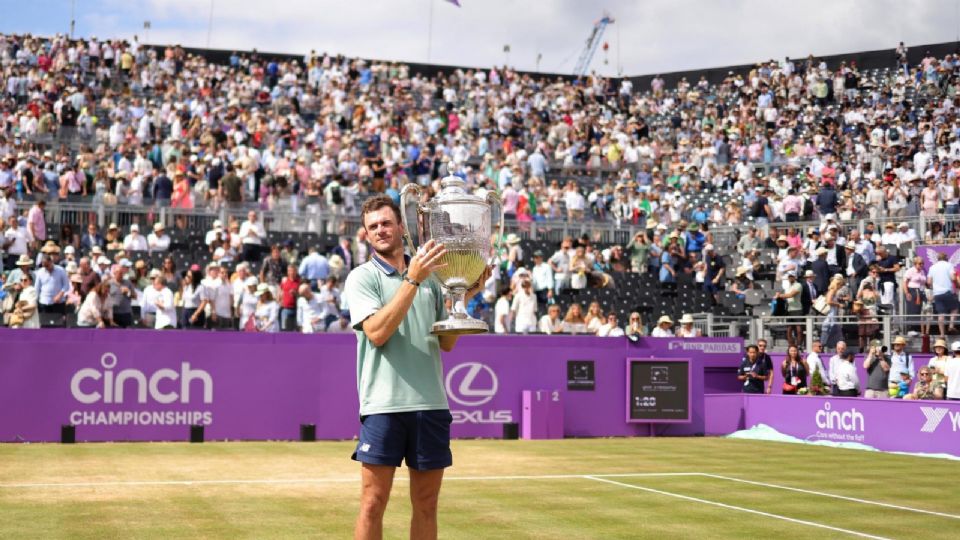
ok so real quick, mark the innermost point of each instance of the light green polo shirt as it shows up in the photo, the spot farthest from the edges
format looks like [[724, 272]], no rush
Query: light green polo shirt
[[405, 374]]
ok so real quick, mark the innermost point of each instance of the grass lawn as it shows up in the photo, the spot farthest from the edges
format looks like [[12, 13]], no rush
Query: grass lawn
[[583, 488]]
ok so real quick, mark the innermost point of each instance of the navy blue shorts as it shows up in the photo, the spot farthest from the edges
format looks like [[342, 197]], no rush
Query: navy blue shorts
[[421, 438], [945, 303]]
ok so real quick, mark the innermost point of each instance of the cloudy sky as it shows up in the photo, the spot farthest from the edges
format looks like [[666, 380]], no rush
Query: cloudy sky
[[649, 36]]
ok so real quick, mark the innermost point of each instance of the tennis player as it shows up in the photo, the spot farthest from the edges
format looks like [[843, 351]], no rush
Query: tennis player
[[404, 416]]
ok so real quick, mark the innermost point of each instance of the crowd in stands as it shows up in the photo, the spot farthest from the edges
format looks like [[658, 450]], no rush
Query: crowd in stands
[[891, 373], [788, 154]]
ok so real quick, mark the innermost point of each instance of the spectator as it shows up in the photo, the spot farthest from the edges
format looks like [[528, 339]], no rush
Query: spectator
[[289, 286], [523, 309], [560, 263], [792, 296], [310, 319], [542, 279], [926, 387], [752, 372], [767, 362], [951, 373], [52, 284], [188, 298], [216, 300], [96, 311], [158, 240], [252, 235], [272, 269], [664, 327], [161, 299], [914, 284], [247, 304], [594, 317], [267, 311], [502, 315], [314, 268], [878, 366], [794, 370], [91, 238], [573, 321], [551, 323], [902, 362], [16, 241], [329, 298], [815, 364], [610, 328], [134, 241], [635, 326], [342, 324], [26, 306], [845, 375], [345, 252], [942, 279], [687, 330]]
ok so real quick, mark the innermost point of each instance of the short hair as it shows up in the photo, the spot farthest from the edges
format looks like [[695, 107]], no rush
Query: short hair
[[376, 203], [753, 347]]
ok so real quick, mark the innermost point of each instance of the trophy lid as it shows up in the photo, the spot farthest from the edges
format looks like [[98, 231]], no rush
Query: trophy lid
[[453, 188]]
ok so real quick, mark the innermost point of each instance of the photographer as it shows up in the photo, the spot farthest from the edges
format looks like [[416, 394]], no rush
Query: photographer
[[877, 364]]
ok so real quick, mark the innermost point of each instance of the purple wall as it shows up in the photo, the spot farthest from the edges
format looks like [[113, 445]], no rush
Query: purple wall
[[892, 425], [262, 386]]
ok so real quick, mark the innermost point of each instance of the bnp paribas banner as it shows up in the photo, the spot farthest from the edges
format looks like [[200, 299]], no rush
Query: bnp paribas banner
[[115, 385]]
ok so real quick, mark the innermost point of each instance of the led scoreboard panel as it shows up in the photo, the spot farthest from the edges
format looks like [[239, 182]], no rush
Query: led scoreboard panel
[[658, 390]]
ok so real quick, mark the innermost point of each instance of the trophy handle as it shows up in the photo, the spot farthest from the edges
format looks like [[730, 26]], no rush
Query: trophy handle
[[405, 195], [494, 198]]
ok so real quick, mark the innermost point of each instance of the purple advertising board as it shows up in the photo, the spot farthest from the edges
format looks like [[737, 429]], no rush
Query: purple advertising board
[[116, 385], [892, 425]]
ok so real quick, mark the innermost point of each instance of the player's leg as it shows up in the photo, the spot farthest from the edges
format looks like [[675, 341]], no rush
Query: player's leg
[[383, 441], [428, 454], [424, 497], [376, 481]]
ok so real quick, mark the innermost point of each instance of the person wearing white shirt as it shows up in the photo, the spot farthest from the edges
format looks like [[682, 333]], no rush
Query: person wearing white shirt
[[135, 241], [501, 313], [216, 299], [267, 314], [160, 298], [941, 278], [551, 323], [158, 240], [951, 370], [252, 236], [664, 327], [610, 328], [524, 308], [906, 234], [211, 235], [329, 301], [814, 363], [542, 276], [15, 239], [309, 311], [341, 325], [847, 381], [28, 302], [890, 236]]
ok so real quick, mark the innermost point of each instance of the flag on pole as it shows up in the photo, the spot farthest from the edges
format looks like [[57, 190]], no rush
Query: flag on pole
[[454, 2]]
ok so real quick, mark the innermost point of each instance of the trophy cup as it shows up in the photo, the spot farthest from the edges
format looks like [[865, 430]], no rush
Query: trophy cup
[[462, 223]]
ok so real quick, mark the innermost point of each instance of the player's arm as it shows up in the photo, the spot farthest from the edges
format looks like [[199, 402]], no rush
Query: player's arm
[[380, 326]]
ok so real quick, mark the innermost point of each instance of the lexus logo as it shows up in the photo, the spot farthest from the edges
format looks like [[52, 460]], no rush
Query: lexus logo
[[478, 384]]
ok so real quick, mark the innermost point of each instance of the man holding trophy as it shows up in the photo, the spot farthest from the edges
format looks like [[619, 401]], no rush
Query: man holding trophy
[[397, 310]]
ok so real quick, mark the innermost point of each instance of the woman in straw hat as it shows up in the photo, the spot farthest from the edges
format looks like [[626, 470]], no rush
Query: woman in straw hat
[[664, 327], [267, 314], [686, 327]]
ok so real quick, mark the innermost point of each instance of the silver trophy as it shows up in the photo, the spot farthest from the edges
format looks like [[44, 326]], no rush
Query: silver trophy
[[462, 223]]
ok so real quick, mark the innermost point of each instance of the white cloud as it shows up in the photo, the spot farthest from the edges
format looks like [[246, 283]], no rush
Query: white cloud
[[652, 36]]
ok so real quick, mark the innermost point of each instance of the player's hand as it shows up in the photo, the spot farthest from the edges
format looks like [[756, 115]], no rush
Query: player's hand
[[426, 260], [478, 286]]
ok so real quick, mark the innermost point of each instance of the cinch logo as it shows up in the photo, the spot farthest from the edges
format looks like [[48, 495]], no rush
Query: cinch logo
[[477, 386], [850, 420], [704, 347], [111, 390], [935, 415]]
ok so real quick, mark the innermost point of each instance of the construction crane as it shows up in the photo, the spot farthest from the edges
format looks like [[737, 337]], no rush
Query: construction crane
[[596, 35]]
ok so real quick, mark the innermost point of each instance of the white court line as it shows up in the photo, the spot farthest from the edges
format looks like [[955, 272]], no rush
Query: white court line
[[737, 508], [332, 480], [833, 496]]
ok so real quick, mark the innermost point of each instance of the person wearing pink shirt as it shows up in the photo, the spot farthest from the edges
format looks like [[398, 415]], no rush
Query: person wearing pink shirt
[[37, 223], [792, 206]]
